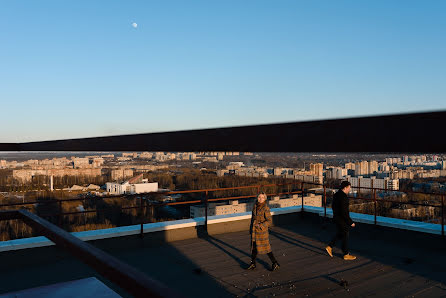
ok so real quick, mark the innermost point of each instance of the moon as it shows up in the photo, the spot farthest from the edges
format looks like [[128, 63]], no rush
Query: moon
[[134, 25]]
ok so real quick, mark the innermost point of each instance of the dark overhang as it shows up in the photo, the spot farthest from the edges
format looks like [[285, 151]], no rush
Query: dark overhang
[[415, 132]]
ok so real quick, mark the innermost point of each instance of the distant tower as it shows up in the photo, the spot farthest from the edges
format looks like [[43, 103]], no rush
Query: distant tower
[[51, 183]]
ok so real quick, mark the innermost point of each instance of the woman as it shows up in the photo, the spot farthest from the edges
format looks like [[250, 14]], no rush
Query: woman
[[260, 221]]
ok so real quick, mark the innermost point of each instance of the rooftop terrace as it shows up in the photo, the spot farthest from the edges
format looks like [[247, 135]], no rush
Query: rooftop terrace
[[391, 262], [395, 258]]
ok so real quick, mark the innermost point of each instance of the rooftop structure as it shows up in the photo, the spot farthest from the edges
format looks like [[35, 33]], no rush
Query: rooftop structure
[[199, 256], [391, 261], [134, 185]]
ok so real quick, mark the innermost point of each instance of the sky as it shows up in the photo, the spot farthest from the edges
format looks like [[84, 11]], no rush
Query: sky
[[73, 69]]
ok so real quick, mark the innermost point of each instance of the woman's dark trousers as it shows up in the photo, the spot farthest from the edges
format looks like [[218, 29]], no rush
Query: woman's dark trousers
[[254, 254]]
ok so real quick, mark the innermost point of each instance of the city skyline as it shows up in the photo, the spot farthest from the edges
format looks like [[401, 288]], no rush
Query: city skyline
[[239, 163], [77, 70]]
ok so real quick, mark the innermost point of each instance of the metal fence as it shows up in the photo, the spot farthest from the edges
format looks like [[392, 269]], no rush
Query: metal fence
[[294, 187]]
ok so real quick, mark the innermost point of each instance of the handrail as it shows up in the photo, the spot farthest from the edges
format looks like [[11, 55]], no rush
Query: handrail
[[151, 193], [127, 277], [397, 202], [206, 200], [202, 191]]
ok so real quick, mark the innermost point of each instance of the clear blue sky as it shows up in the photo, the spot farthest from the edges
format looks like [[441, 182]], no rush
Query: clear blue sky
[[78, 68]]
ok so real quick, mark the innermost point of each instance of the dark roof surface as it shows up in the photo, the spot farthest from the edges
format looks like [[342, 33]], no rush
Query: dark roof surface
[[390, 263]]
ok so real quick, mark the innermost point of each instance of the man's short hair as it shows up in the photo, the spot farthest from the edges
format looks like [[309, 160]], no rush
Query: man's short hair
[[344, 184]]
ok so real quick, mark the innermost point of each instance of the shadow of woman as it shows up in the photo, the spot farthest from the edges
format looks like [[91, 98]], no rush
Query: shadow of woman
[[225, 247]]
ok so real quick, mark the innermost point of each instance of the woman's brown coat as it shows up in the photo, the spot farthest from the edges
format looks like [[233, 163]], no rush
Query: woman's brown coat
[[260, 221]]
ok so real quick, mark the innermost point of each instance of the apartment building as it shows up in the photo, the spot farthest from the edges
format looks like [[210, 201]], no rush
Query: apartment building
[[373, 182], [336, 173], [316, 169], [236, 207], [121, 174]]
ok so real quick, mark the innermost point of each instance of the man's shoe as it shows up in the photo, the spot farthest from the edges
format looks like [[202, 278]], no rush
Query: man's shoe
[[275, 266], [252, 266], [329, 251], [349, 257]]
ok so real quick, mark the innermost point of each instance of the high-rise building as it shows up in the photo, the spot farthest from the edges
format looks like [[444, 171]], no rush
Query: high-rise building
[[361, 168], [350, 166], [373, 167], [336, 173], [393, 160], [373, 182], [316, 169], [79, 162], [401, 174], [383, 167], [121, 174], [146, 155]]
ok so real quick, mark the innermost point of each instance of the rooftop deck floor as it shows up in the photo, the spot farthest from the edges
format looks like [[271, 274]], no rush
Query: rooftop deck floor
[[390, 263], [382, 269]]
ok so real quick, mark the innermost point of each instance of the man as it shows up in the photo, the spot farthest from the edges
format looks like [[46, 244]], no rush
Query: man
[[341, 218]]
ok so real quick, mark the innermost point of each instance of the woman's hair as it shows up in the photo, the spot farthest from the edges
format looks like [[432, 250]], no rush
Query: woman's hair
[[263, 194]]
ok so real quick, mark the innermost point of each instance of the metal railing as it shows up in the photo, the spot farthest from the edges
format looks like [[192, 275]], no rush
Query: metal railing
[[375, 200], [143, 204], [299, 188], [136, 282], [128, 278]]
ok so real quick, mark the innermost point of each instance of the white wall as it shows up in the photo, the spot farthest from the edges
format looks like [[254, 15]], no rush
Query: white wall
[[144, 187]]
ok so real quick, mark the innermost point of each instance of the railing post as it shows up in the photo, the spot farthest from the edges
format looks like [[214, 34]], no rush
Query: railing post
[[302, 189], [206, 212], [442, 215], [152, 212], [325, 202], [60, 214], [141, 235], [374, 199]]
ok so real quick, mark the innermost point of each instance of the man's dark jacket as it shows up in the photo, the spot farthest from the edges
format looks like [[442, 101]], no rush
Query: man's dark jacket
[[340, 208]]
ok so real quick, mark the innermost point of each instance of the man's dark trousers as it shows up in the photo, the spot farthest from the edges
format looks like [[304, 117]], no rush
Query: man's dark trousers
[[341, 234], [341, 217]]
